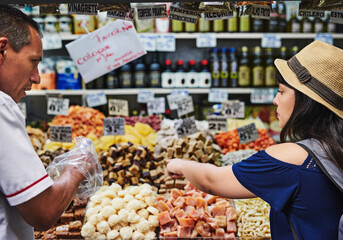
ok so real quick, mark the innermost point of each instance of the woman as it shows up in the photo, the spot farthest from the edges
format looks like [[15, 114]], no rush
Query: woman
[[309, 106]]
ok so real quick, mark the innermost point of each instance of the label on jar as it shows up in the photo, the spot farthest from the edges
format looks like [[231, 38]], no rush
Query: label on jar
[[180, 79], [270, 76], [204, 79], [114, 126], [192, 79], [140, 79], [183, 15], [258, 76], [118, 107], [155, 79], [152, 11], [244, 76], [168, 79], [126, 79]]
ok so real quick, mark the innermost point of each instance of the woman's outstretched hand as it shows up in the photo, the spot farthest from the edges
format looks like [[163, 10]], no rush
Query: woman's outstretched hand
[[174, 167]]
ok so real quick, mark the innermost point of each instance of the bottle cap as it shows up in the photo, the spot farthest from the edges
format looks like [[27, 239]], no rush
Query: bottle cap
[[204, 62], [192, 62], [168, 62], [179, 62]]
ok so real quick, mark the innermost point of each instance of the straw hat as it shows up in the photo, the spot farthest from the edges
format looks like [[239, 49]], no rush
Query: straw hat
[[317, 71]]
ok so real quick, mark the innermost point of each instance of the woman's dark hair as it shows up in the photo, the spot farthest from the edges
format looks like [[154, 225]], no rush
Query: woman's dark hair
[[311, 119], [14, 25]]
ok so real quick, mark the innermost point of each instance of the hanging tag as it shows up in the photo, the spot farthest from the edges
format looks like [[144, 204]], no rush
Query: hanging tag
[[271, 40], [96, 99], [184, 106], [262, 12], [124, 15], [58, 106], [166, 43], [158, 105], [61, 134], [145, 96], [311, 13], [83, 8], [149, 41], [209, 16], [118, 107], [205, 40], [233, 109], [262, 95], [174, 96], [247, 133], [183, 15], [185, 127], [217, 123], [114, 126], [324, 37], [152, 11], [336, 16], [22, 108], [51, 41], [217, 95]]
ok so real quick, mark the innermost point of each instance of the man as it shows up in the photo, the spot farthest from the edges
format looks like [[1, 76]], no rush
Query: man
[[28, 196]]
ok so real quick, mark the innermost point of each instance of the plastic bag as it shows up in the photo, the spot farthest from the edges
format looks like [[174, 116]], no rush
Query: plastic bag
[[83, 157]]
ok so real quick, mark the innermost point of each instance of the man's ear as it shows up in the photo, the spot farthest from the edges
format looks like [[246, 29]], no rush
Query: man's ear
[[4, 43]]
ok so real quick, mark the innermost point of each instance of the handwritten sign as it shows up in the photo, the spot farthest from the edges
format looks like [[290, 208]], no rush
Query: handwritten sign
[[105, 49], [217, 123], [22, 108], [114, 126], [233, 109], [158, 105], [183, 15], [58, 106], [262, 12], [51, 41], [262, 95], [118, 107], [185, 127], [205, 40], [83, 8], [174, 96], [336, 16], [247, 133], [184, 106], [152, 11], [271, 41], [217, 95], [96, 99], [324, 37], [145, 96], [124, 15], [61, 134], [166, 43], [217, 15]]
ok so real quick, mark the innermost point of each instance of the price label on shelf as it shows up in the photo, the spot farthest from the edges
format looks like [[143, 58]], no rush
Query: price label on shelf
[[61, 134], [185, 127], [114, 126], [58, 106], [96, 99], [217, 123], [118, 107], [271, 41], [51, 41], [262, 12], [22, 108], [158, 105], [217, 95], [324, 37], [205, 40], [166, 43], [233, 109], [149, 41], [336, 16], [145, 96], [263, 95], [247, 133], [184, 106]]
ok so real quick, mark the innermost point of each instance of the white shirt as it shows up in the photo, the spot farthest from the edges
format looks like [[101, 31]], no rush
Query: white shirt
[[22, 174]]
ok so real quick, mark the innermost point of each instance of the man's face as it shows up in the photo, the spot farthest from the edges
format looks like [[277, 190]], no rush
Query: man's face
[[18, 71]]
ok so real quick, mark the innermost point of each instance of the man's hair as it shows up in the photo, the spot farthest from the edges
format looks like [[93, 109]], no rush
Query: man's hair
[[14, 25]]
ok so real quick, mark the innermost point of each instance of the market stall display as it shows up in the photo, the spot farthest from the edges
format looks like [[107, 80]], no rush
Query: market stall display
[[37, 137]]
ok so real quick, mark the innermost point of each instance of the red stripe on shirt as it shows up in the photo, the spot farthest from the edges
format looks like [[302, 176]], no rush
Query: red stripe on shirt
[[24, 189]]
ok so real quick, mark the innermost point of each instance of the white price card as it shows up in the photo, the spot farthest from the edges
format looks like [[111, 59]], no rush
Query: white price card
[[145, 96], [83, 8], [180, 92], [184, 106], [166, 43], [205, 40], [152, 11], [149, 41], [263, 95], [324, 37], [105, 49], [185, 127], [114, 126], [58, 106], [118, 107], [258, 11], [336, 16], [22, 108], [61, 133], [51, 41], [96, 99], [174, 96], [270, 40], [233, 109], [158, 105], [124, 15], [217, 123], [247, 133], [218, 95]]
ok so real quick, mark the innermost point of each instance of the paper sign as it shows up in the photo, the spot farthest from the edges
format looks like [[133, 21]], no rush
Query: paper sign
[[271, 41], [58, 106], [217, 95], [22, 108], [114, 126], [311, 13], [217, 15], [118, 107], [205, 40], [83, 8], [145, 96], [336, 16], [262, 12], [149, 41], [324, 37], [158, 105], [51, 41], [97, 99], [152, 11], [233, 109], [61, 134], [183, 15], [174, 96], [247, 133], [124, 15], [105, 49], [184, 106], [166, 43], [185, 127], [262, 95], [217, 123]]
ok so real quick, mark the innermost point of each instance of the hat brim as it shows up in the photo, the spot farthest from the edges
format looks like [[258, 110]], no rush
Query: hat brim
[[291, 78]]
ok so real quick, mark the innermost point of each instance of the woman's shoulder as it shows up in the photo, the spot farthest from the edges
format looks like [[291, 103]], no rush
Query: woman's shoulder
[[288, 152]]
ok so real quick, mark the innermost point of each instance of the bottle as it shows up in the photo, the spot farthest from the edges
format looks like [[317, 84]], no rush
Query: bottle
[[215, 68], [232, 23], [100, 83], [283, 53], [233, 68], [180, 77], [218, 25], [167, 75], [294, 50], [282, 17], [190, 27], [139, 76], [204, 76], [294, 23], [244, 79], [125, 76], [318, 25], [112, 79], [177, 26], [307, 25], [273, 25], [258, 25], [192, 75], [270, 70], [257, 69], [204, 26], [154, 77], [244, 22], [330, 26], [224, 68]]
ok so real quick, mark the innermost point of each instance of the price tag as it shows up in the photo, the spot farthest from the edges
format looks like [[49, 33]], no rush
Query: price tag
[[174, 96], [145, 96], [185, 127], [325, 37], [63, 9], [97, 99], [263, 95], [58, 106], [217, 123], [124, 15], [22, 108], [166, 43], [262, 12], [247, 133], [311, 13], [61, 134], [183, 15], [118, 107], [183, 93], [152, 11], [83, 8], [217, 95], [271, 41], [114, 126], [158, 105], [214, 3], [204, 40], [336, 16], [51, 41], [149, 41], [233, 109], [184, 106], [209, 16]]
